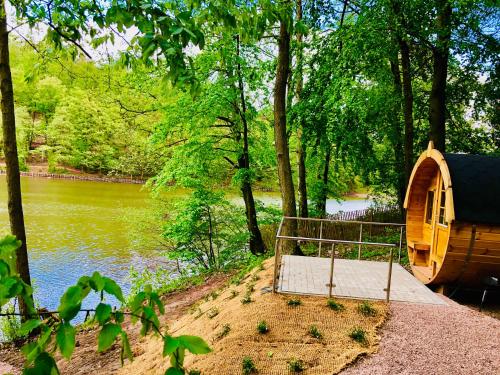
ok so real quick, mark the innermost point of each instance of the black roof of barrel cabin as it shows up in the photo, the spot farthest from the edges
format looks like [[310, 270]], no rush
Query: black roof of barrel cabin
[[475, 181]]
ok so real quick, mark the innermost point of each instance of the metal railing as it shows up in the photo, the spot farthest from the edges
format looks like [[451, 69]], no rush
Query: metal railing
[[280, 238]]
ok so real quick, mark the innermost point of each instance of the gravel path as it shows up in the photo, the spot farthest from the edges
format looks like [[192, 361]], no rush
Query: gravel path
[[435, 340]]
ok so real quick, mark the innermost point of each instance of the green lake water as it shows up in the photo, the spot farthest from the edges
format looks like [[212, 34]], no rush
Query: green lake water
[[77, 227]]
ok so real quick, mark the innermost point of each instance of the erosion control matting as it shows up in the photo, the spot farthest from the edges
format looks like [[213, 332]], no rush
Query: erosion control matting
[[230, 326]]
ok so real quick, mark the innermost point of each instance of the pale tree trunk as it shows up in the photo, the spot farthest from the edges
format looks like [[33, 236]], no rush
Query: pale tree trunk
[[14, 200], [437, 100], [280, 134], [407, 107], [301, 152], [397, 140]]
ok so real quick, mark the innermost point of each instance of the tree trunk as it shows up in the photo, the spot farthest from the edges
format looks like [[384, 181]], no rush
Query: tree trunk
[[407, 108], [321, 205], [256, 243], [397, 139], [301, 152], [14, 200], [437, 101], [280, 134]]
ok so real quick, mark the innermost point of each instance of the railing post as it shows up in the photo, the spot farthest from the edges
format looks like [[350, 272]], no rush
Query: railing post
[[330, 285], [389, 277], [360, 238], [277, 254], [400, 244], [320, 237]]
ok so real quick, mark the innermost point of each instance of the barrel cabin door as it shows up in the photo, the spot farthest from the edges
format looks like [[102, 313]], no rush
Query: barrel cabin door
[[440, 227]]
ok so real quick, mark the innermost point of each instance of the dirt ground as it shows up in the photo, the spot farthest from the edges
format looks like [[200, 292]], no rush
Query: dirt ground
[[229, 320], [86, 360]]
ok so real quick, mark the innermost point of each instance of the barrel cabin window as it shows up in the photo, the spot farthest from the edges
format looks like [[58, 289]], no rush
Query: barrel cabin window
[[442, 207], [429, 206]]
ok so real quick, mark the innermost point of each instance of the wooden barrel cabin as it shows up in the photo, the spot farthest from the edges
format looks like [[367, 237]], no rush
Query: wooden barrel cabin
[[453, 218]]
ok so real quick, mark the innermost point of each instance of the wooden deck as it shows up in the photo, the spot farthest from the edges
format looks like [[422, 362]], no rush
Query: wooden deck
[[352, 279]]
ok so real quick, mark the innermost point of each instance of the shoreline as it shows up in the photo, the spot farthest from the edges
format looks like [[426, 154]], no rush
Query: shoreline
[[68, 176]]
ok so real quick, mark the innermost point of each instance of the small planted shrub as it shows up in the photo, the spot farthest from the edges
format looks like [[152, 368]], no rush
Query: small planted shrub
[[262, 327], [248, 366], [359, 335], [214, 295], [213, 312], [365, 308], [294, 302], [334, 305], [247, 298], [198, 313], [226, 328], [194, 372], [251, 287], [314, 332], [296, 365], [255, 277], [233, 294]]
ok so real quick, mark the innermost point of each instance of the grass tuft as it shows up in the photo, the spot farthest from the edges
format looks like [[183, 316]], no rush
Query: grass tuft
[[314, 332], [296, 365], [248, 366], [262, 327], [226, 328], [294, 302], [359, 335], [365, 308], [334, 305]]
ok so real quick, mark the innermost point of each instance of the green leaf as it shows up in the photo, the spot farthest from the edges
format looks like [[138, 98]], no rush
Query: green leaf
[[65, 339], [195, 344], [103, 313], [126, 350], [170, 344], [44, 365], [111, 287], [71, 302], [97, 282], [29, 326], [174, 371], [4, 269], [107, 336]]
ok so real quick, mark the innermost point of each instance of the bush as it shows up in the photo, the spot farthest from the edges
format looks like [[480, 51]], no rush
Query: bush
[[365, 308], [334, 305], [296, 365], [262, 327], [359, 335], [315, 333], [247, 298], [294, 302], [248, 366]]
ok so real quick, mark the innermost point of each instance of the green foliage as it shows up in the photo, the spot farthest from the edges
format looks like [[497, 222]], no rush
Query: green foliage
[[296, 365], [247, 298], [359, 335], [365, 308], [314, 332], [248, 366], [262, 327], [59, 334], [294, 302], [334, 305], [207, 232]]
